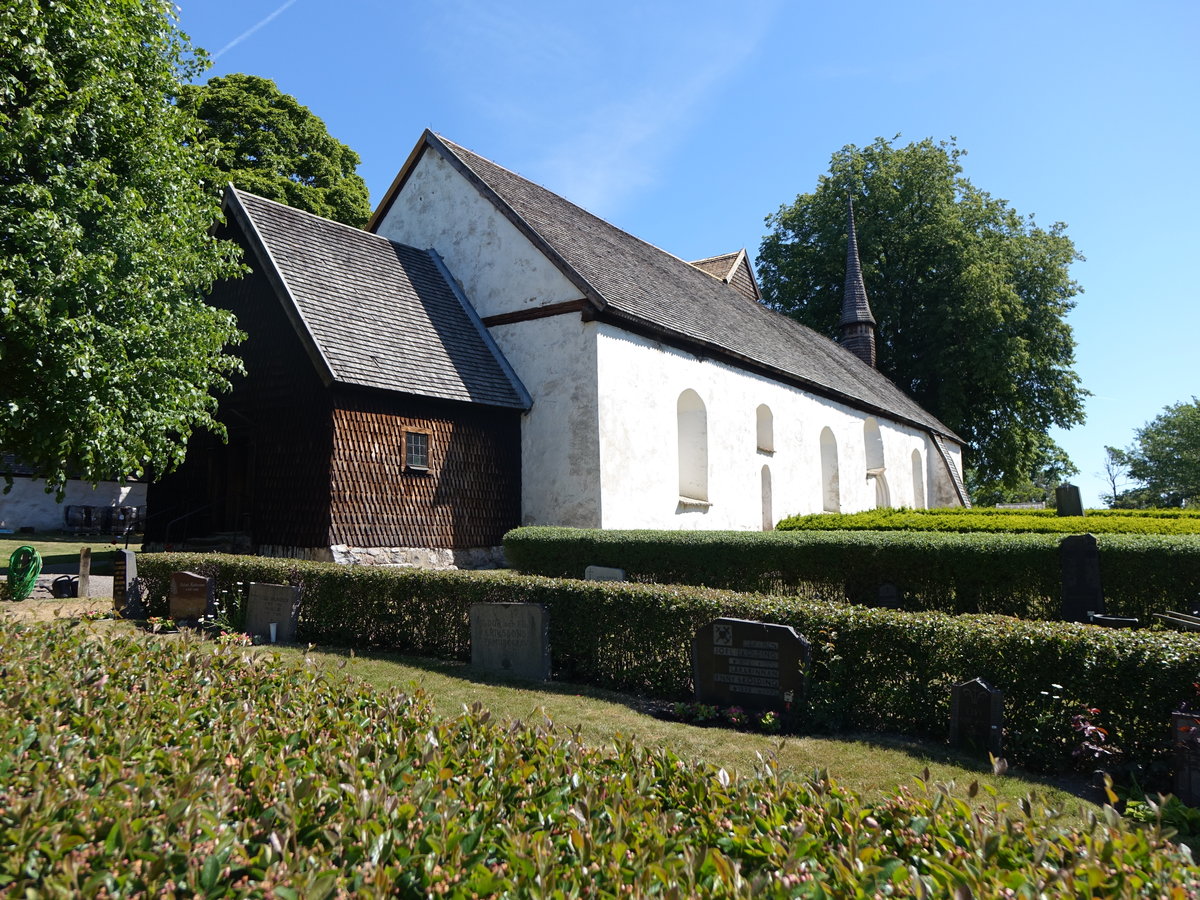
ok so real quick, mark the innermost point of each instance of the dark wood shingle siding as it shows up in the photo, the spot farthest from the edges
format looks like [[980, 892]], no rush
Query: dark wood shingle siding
[[469, 496]]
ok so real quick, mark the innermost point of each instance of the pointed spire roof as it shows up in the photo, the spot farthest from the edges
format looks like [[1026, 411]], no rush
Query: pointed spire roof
[[855, 307]]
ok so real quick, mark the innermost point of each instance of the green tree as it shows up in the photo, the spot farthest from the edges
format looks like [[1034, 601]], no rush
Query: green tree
[[272, 146], [970, 297], [1164, 459], [108, 353], [1052, 467]]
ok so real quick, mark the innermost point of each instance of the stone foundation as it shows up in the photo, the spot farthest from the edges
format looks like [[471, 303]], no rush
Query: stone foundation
[[420, 557]]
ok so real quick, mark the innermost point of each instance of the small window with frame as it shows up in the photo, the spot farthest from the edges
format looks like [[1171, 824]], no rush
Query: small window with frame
[[416, 451]]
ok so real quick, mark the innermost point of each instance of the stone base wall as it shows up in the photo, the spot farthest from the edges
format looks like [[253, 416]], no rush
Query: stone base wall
[[420, 557]]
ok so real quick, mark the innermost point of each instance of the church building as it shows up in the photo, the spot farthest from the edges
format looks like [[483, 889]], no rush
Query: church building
[[488, 354]]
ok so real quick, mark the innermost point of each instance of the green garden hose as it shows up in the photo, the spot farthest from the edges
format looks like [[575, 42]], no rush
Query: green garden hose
[[24, 566]]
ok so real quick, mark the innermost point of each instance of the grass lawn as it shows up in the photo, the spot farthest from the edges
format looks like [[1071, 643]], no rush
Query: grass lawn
[[872, 765], [60, 552]]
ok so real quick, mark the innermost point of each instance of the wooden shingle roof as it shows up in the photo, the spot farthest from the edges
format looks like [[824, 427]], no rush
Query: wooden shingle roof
[[635, 284], [374, 313]]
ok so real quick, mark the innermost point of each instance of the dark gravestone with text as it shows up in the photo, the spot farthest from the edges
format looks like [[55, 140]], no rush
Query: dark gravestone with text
[[127, 598], [275, 604], [191, 595], [603, 573], [511, 639], [1079, 558], [756, 665], [977, 716]]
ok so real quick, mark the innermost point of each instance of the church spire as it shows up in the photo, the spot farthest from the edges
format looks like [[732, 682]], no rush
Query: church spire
[[856, 329]]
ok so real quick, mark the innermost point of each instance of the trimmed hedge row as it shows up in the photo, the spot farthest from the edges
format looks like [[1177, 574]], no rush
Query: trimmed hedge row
[[160, 768], [1001, 520], [873, 669], [1004, 574]]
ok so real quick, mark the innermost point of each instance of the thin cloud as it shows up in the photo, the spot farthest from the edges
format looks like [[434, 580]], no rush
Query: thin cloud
[[253, 28]]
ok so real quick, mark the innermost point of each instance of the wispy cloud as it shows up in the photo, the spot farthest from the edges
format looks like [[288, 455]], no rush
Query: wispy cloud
[[266, 20], [602, 99]]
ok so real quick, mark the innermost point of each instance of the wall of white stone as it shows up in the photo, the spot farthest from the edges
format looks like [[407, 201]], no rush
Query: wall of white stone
[[641, 382], [28, 504], [499, 269], [555, 358]]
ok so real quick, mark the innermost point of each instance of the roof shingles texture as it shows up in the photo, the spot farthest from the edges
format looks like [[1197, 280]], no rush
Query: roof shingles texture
[[381, 313], [642, 282]]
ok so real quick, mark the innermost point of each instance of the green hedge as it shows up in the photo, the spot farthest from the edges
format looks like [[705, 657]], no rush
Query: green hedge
[[140, 768], [1005, 574], [873, 669], [1037, 521]]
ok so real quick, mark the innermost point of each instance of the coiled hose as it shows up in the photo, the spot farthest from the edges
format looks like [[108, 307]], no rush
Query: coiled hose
[[24, 566]]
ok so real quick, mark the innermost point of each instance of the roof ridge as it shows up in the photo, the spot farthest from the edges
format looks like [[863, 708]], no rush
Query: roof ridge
[[586, 212]]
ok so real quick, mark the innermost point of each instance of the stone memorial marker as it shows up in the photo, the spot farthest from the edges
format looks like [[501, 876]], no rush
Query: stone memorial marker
[[1067, 501], [192, 595], [756, 665], [85, 572], [127, 597], [889, 596], [511, 639], [977, 716], [272, 604], [1079, 558], [603, 573]]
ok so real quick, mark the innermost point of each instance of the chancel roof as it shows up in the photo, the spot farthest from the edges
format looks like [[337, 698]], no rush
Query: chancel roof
[[375, 313], [636, 285]]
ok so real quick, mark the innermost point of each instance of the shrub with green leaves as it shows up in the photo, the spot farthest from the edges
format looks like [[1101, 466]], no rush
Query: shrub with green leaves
[[1014, 521], [1007, 574], [155, 767], [873, 669]]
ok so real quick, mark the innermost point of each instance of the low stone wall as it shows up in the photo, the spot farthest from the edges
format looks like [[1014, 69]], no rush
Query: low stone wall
[[411, 557]]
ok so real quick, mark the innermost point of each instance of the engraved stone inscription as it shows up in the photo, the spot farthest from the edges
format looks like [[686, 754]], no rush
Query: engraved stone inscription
[[127, 599], [272, 603], [603, 573], [511, 639], [758, 665], [191, 595]]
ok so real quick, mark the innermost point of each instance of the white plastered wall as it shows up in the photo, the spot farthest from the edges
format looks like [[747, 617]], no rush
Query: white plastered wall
[[640, 383], [28, 505], [499, 269], [555, 358]]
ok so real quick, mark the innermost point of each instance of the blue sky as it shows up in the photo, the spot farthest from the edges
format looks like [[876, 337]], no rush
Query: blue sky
[[686, 124]]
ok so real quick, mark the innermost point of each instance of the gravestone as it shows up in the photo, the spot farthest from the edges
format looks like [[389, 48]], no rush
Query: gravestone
[[977, 716], [1067, 501], [511, 639], [127, 597], [1079, 558], [269, 604], [85, 572], [889, 596], [603, 573], [191, 595], [755, 665]]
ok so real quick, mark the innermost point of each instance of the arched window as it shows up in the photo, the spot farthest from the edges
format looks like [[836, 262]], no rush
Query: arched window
[[693, 447], [918, 477], [766, 429], [873, 445], [830, 492], [768, 517]]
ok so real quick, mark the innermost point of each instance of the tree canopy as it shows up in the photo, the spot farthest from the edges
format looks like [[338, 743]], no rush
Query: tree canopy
[[108, 353], [1164, 459], [272, 146], [970, 297]]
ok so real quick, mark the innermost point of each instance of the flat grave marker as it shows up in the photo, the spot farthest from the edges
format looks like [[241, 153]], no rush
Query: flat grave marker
[[603, 573], [191, 597], [272, 604], [755, 665], [511, 639]]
